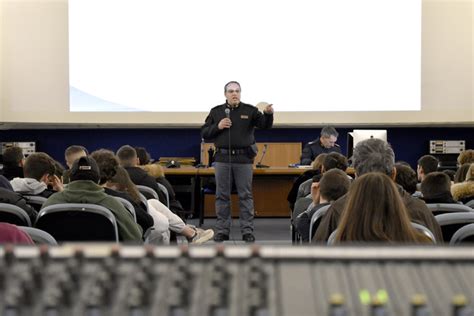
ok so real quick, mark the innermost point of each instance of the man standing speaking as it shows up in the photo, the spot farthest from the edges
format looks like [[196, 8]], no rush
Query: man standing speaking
[[231, 126]]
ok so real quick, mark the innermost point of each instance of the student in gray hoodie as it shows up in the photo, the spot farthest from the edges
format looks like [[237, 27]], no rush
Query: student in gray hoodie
[[39, 172]]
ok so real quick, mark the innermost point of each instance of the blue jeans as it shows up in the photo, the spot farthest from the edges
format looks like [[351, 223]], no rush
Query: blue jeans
[[242, 173]]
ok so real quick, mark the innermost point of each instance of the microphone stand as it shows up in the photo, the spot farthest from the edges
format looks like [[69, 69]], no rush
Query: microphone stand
[[201, 163], [259, 164]]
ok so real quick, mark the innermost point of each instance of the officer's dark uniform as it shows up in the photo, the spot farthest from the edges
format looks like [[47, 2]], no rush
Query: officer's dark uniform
[[313, 149], [245, 118]]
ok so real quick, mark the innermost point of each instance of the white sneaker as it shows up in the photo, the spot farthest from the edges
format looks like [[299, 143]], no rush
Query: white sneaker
[[201, 236]]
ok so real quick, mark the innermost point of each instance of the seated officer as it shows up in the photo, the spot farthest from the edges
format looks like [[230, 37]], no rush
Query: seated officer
[[326, 143]]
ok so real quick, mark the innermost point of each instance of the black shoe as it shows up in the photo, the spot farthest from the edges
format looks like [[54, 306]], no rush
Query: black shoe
[[249, 237], [220, 237]]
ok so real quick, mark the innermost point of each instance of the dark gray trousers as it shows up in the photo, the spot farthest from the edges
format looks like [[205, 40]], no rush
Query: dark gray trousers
[[242, 173]]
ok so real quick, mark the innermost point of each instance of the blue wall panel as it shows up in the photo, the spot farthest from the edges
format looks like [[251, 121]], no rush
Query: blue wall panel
[[409, 143]]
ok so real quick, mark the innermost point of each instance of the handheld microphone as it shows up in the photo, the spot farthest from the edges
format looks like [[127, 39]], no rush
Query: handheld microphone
[[227, 113], [259, 164]]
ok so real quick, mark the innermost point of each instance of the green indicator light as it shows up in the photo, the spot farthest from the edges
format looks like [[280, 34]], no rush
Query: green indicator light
[[382, 296], [364, 297]]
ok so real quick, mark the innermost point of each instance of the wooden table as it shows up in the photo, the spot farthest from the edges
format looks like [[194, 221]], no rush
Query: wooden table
[[270, 189]]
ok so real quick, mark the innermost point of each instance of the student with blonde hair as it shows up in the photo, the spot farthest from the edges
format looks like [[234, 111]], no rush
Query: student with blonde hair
[[464, 191]]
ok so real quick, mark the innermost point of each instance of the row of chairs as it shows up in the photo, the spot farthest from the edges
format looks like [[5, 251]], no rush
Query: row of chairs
[[450, 217], [149, 193], [465, 233], [422, 229], [73, 221], [67, 221]]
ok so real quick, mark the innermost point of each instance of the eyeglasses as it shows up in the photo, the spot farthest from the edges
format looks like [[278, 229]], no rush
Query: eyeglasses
[[232, 91]]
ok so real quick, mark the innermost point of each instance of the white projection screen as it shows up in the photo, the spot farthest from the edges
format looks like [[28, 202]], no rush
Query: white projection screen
[[305, 55], [165, 63]]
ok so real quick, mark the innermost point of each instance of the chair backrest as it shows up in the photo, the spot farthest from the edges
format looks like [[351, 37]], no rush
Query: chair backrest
[[441, 208], [13, 214], [304, 189], [78, 222], [301, 205], [470, 204], [128, 206], [39, 236], [144, 202], [316, 219], [35, 201], [425, 231], [165, 192], [451, 222], [148, 192], [464, 234]]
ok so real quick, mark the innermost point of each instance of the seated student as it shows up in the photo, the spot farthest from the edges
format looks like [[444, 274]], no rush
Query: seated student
[[466, 156], [4, 183], [450, 173], [156, 171], [375, 155], [464, 191], [406, 177], [71, 154], [334, 161], [39, 171], [426, 165], [375, 212], [331, 161], [308, 174], [160, 213], [461, 173], [128, 159], [333, 184], [13, 160], [13, 235], [108, 165], [58, 169], [144, 157], [436, 188], [9, 197], [84, 188]]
